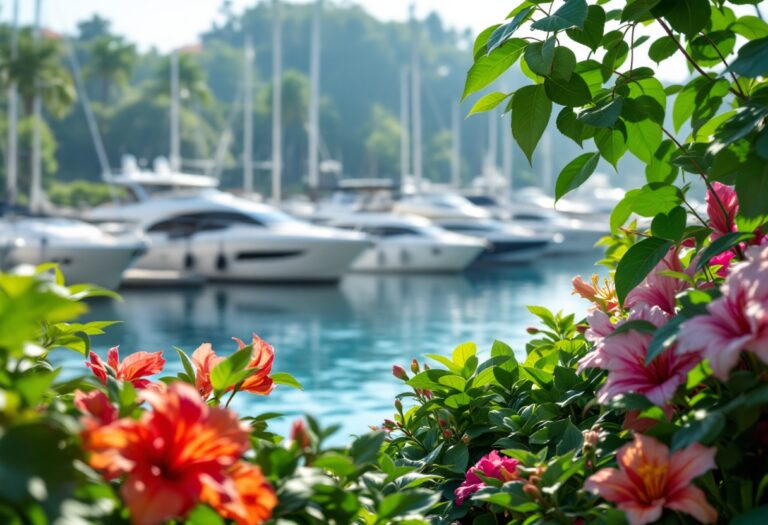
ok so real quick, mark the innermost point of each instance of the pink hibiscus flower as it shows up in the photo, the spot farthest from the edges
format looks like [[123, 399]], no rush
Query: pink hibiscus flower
[[722, 223], [657, 289], [650, 479], [491, 466], [736, 321], [623, 356]]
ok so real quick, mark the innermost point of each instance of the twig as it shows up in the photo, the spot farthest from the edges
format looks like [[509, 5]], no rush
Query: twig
[[722, 58]]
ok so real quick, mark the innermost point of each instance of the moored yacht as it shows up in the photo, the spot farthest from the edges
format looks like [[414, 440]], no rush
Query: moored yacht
[[439, 205], [194, 227], [507, 243], [409, 244]]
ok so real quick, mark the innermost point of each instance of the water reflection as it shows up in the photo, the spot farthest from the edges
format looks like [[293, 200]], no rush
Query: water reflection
[[341, 341]]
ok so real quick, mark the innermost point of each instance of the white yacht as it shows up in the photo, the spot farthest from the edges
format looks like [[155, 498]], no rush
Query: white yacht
[[409, 244], [507, 243], [570, 235], [84, 253], [194, 227], [440, 206]]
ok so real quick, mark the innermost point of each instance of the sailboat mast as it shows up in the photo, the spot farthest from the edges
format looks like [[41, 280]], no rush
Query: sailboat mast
[[36, 183], [314, 102], [405, 124], [416, 100], [248, 117], [13, 117], [455, 147], [277, 95], [547, 168], [506, 155], [175, 134]]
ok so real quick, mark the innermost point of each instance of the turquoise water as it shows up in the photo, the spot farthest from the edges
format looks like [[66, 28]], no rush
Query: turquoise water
[[340, 341]]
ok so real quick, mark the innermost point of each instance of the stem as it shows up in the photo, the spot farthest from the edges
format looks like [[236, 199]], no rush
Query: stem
[[632, 51], [722, 59], [234, 391], [691, 60]]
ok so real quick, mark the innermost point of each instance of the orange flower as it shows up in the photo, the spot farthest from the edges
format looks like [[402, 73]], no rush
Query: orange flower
[[172, 455], [254, 497], [134, 368], [650, 479], [96, 408], [205, 359], [262, 356]]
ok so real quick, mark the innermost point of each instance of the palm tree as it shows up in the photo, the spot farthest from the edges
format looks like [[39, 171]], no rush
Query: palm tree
[[192, 82], [38, 66], [110, 62]]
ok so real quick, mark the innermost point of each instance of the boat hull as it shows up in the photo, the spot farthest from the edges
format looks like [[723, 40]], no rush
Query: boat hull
[[418, 256], [513, 252]]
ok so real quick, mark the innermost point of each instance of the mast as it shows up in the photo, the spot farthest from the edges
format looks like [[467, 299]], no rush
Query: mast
[[455, 147], [36, 183], [416, 100], [277, 95], [546, 157], [405, 124], [13, 117], [507, 160], [493, 151], [175, 159], [248, 117], [314, 102]]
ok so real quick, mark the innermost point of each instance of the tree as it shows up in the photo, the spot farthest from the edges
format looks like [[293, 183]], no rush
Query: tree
[[193, 85], [110, 62], [92, 28], [383, 143]]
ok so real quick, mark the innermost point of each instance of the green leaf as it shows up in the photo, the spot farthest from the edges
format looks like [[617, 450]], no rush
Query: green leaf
[[573, 92], [571, 440], [186, 362], [752, 59], [670, 226], [456, 458], [638, 10], [563, 64], [752, 189], [653, 199], [663, 338], [540, 55], [750, 27], [685, 16], [592, 33], [531, 109], [753, 516], [232, 370], [569, 125], [402, 503], [335, 463], [505, 32], [703, 429], [660, 169], [637, 263], [366, 448], [721, 244], [707, 50], [571, 14], [638, 325], [463, 352], [662, 48], [481, 41], [620, 214], [284, 378], [203, 515], [575, 173], [488, 102], [611, 143], [604, 115], [488, 68], [643, 139]]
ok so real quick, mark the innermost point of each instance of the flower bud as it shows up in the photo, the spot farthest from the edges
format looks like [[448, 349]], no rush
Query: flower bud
[[532, 491], [399, 372], [534, 480], [388, 424], [447, 434], [299, 434], [415, 366], [426, 366], [465, 439], [398, 405], [532, 330], [442, 422]]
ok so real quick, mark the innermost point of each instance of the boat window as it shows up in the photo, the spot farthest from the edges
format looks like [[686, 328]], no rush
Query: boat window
[[392, 231], [467, 228], [191, 223], [527, 217], [482, 200]]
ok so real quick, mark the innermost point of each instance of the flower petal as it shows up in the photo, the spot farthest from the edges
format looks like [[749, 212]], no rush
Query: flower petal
[[688, 464], [692, 500]]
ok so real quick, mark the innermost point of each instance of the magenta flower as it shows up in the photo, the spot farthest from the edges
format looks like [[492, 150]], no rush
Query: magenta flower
[[491, 466], [650, 479], [623, 356], [600, 327], [736, 321], [657, 289], [722, 223]]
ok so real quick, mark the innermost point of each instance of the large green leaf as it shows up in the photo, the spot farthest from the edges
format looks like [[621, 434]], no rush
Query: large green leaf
[[721, 244], [488, 102], [505, 32], [704, 429], [653, 199], [540, 55], [482, 40], [592, 33], [707, 50], [752, 60], [611, 143], [685, 16], [638, 262], [643, 139], [638, 10], [488, 68], [531, 109], [563, 63], [575, 173], [662, 48], [752, 189], [571, 14], [569, 125], [750, 27], [232, 370], [670, 226], [573, 92], [604, 115]]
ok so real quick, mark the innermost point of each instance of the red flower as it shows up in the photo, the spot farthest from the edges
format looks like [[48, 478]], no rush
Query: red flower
[[650, 479], [172, 455], [262, 356], [96, 408], [491, 465], [134, 368], [204, 360], [254, 497]]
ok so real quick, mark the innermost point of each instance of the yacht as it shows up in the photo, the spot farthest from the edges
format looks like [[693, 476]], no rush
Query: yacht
[[409, 244], [571, 236], [83, 252], [506, 243], [440, 206], [194, 227]]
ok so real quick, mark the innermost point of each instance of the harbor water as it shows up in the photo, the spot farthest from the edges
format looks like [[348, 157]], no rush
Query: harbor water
[[340, 341]]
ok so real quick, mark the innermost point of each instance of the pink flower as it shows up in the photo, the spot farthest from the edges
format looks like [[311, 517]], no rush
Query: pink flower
[[657, 289], [134, 368], [722, 260], [722, 223], [490, 466], [736, 321], [650, 479], [623, 356]]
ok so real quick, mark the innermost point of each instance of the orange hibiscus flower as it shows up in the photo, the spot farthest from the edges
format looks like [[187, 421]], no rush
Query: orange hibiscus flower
[[254, 499], [262, 357], [134, 368], [171, 457], [204, 359]]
